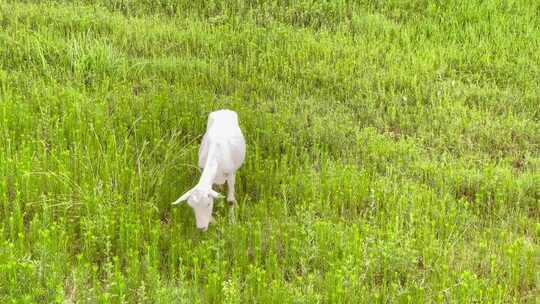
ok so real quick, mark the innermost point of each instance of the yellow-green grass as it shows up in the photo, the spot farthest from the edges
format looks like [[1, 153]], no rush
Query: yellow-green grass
[[393, 151]]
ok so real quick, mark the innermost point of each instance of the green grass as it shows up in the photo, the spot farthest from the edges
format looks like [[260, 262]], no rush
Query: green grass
[[393, 151]]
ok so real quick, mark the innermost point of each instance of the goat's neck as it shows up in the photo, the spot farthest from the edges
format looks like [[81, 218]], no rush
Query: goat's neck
[[210, 168]]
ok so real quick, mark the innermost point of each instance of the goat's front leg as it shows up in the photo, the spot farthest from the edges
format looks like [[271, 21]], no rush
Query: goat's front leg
[[230, 185]]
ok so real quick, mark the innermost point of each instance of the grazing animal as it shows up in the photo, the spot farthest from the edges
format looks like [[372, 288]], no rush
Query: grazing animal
[[221, 153]]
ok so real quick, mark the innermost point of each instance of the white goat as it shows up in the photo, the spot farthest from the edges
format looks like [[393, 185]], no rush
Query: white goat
[[221, 153]]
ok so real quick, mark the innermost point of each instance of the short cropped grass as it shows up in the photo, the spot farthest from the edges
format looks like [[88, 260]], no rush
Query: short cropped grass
[[393, 151]]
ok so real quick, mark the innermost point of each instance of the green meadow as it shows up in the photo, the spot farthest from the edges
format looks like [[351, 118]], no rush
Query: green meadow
[[393, 151]]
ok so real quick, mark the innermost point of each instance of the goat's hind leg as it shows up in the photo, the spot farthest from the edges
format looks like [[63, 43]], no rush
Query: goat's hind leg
[[230, 185]]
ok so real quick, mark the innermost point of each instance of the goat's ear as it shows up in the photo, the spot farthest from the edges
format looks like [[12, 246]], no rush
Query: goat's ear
[[214, 194], [182, 198]]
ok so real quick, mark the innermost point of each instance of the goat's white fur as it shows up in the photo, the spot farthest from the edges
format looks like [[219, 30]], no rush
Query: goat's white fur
[[221, 153]]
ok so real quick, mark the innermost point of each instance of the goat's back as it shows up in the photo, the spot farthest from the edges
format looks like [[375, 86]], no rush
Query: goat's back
[[223, 132]]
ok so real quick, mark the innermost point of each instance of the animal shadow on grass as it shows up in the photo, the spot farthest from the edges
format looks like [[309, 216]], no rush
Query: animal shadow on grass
[[227, 211]]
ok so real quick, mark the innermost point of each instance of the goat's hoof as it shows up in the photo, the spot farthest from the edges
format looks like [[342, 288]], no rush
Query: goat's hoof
[[231, 203]]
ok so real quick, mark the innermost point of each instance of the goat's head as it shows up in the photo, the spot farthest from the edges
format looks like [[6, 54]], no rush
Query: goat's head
[[202, 202]]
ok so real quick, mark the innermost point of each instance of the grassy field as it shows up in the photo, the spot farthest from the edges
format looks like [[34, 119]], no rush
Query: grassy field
[[393, 151]]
